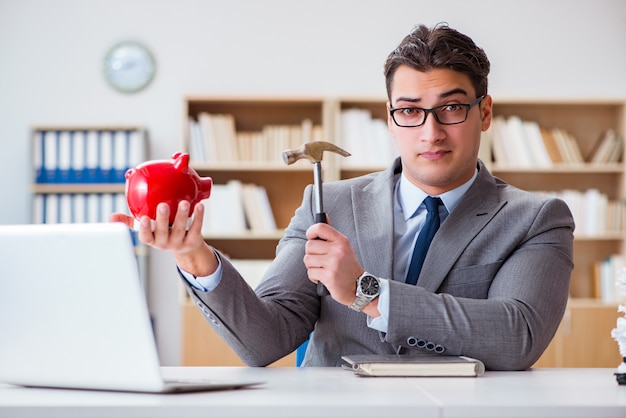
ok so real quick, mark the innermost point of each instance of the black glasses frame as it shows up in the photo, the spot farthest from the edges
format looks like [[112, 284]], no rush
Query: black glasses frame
[[433, 110]]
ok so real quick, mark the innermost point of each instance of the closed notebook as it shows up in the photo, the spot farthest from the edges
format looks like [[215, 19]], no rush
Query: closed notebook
[[409, 365]]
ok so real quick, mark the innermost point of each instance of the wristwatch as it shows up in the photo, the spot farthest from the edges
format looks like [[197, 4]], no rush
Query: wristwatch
[[367, 289]]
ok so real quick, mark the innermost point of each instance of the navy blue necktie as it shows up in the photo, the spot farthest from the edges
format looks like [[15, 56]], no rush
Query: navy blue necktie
[[424, 238]]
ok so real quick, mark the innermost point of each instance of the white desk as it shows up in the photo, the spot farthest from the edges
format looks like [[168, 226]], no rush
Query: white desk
[[331, 392]]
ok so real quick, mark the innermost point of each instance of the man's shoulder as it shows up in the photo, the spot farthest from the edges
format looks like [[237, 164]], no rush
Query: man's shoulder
[[529, 201], [376, 179], [364, 181], [515, 197], [513, 192]]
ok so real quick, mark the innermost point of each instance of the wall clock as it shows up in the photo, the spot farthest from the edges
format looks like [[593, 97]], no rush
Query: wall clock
[[129, 67]]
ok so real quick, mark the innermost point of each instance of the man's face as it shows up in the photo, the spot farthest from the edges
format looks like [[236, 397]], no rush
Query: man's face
[[436, 157]]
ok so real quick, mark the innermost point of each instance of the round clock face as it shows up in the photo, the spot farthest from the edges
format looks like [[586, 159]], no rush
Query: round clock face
[[129, 67]]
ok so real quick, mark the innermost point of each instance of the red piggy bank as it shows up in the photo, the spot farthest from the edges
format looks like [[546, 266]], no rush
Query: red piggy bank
[[153, 182]]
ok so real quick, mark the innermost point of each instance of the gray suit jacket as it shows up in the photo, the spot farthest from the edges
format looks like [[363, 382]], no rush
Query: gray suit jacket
[[494, 284]]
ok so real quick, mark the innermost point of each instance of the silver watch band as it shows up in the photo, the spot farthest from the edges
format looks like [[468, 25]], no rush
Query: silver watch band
[[359, 303]]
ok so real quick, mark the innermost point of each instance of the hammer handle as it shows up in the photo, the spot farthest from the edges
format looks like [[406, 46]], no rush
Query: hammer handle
[[320, 218], [321, 289]]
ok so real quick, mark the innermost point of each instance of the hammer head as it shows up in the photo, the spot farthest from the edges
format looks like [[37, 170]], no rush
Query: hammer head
[[313, 151]]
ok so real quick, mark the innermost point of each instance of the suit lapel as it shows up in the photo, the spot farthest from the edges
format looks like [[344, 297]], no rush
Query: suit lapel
[[373, 218], [475, 210]]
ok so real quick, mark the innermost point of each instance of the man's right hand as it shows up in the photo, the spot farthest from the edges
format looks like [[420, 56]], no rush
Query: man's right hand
[[191, 252]]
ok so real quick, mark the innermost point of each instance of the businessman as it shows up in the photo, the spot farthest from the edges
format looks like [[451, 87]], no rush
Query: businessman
[[432, 255]]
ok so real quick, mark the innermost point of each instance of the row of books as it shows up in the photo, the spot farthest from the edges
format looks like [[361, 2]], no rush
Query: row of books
[[366, 138], [54, 208], [592, 210], [213, 138], [605, 279], [237, 207], [608, 149], [523, 143], [87, 155]]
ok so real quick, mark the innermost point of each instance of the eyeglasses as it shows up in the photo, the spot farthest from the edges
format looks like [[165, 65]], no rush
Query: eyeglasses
[[448, 114]]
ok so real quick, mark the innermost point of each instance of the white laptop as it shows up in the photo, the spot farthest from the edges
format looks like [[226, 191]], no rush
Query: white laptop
[[73, 312]]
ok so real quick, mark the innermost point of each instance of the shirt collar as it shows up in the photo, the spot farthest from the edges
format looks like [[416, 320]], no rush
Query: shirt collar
[[411, 196]]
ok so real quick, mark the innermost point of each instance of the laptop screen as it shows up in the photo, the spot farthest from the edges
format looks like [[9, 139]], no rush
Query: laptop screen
[[72, 309]]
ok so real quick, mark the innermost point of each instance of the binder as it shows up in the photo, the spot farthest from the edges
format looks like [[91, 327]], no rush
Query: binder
[[78, 159], [105, 157], [50, 156], [92, 161], [64, 157]]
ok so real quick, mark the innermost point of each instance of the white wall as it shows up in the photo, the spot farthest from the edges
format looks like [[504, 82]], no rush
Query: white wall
[[51, 53]]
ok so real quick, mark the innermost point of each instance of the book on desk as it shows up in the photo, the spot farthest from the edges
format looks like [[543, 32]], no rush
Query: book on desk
[[414, 366]]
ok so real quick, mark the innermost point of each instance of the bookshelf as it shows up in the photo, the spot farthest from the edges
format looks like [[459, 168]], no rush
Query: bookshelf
[[585, 120], [275, 124]]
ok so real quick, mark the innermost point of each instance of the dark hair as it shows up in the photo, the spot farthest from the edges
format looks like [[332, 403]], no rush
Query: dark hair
[[426, 48]]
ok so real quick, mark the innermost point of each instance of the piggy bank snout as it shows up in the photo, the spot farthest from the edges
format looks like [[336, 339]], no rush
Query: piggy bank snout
[[206, 183]]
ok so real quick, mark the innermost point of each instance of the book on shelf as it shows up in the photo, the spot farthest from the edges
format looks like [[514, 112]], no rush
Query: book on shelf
[[223, 210], [605, 274], [197, 150], [607, 149], [215, 138], [235, 208], [258, 209], [392, 365], [252, 208], [552, 147]]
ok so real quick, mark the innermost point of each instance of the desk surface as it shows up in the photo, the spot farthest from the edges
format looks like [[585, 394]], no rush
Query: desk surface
[[332, 392]]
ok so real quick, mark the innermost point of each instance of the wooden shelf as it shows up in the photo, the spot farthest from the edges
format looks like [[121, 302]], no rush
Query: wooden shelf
[[606, 236], [302, 165], [562, 168], [78, 188]]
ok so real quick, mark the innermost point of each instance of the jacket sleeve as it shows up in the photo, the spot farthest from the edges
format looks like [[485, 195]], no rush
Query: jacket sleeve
[[270, 322], [504, 297]]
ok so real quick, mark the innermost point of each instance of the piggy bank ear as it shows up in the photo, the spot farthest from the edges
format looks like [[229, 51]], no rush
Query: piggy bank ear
[[181, 161], [129, 173]]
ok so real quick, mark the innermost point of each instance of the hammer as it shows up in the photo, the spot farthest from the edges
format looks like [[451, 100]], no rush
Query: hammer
[[314, 151]]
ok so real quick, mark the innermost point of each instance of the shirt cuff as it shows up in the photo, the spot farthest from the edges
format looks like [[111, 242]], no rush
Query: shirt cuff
[[204, 283], [381, 323]]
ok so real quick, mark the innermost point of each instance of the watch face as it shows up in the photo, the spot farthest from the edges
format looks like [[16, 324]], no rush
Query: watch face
[[129, 67], [370, 286]]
